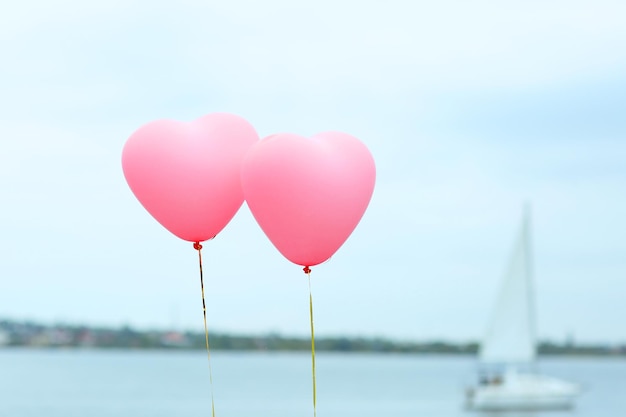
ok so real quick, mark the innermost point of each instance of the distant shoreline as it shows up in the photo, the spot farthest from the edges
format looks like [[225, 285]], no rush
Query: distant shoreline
[[15, 334]]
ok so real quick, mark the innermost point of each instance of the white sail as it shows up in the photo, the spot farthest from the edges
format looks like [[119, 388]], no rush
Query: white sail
[[510, 338]]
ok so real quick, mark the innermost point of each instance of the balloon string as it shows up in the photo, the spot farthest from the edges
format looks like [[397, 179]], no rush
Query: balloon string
[[197, 246], [307, 271]]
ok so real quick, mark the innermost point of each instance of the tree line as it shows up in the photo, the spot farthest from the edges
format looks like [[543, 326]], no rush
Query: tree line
[[30, 334]]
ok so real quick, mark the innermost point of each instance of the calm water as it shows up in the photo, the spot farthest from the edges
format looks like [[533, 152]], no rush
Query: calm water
[[42, 383]]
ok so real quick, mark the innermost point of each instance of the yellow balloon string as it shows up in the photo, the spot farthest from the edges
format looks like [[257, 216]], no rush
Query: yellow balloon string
[[307, 270], [198, 247]]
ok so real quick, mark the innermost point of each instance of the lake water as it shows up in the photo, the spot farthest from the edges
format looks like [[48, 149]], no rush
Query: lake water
[[95, 383]]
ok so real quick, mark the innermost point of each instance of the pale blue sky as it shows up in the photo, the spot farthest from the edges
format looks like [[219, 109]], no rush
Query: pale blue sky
[[468, 109]]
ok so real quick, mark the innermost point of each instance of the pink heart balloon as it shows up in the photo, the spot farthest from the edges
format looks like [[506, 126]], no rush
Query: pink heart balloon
[[187, 175], [308, 195]]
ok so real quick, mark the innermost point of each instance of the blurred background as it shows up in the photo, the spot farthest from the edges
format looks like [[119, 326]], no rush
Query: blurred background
[[470, 109]]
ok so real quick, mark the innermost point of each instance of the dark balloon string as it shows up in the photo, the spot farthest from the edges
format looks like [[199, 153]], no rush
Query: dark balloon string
[[197, 246], [307, 271]]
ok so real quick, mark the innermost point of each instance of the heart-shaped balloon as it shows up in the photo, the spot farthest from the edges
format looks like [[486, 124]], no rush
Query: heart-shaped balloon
[[187, 175], [308, 195]]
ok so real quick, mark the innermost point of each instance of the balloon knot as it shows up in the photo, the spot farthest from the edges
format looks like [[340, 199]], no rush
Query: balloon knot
[[306, 270], [197, 246]]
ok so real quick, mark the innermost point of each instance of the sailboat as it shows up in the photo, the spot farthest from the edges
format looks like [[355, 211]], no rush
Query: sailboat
[[509, 379]]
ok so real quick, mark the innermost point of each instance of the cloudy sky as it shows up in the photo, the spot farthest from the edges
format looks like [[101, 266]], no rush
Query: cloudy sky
[[469, 109]]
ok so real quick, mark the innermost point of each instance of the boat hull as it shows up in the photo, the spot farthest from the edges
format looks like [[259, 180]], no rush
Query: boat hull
[[523, 392]]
